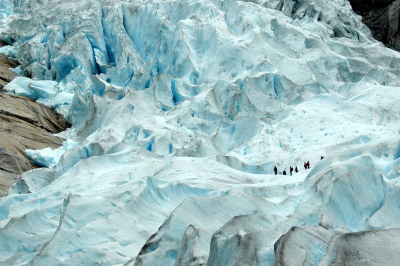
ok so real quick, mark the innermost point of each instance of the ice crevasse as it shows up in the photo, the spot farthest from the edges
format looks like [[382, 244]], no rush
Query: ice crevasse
[[180, 110]]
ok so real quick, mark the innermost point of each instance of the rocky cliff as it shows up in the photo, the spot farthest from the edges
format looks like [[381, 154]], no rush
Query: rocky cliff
[[6, 75], [24, 124], [382, 17]]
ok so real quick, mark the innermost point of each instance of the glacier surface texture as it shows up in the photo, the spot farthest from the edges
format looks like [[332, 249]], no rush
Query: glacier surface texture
[[180, 110]]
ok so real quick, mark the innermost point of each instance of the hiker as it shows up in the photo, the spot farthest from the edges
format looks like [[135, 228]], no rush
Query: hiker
[[291, 170], [276, 170], [322, 157], [284, 172], [308, 164], [296, 170], [305, 166]]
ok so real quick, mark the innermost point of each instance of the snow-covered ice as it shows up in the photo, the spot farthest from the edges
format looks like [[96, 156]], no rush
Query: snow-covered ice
[[180, 110], [32, 88], [49, 157]]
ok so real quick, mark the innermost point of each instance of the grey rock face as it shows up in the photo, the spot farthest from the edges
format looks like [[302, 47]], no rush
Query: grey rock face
[[370, 5], [382, 17], [394, 21]]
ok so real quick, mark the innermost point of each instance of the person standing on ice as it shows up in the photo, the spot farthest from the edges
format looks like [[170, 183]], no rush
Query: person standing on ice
[[284, 172], [296, 170], [291, 170], [322, 157], [308, 164], [305, 165], [276, 170]]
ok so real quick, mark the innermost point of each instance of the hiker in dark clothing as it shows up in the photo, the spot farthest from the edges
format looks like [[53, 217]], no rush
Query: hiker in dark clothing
[[296, 170], [308, 164], [276, 170], [284, 172], [291, 170], [322, 157], [305, 166]]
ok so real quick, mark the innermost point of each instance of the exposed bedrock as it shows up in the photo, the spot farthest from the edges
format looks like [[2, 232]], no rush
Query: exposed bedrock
[[382, 17], [6, 75], [24, 124]]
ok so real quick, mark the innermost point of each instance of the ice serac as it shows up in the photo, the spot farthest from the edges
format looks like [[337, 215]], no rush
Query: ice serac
[[180, 110], [378, 247], [319, 246], [302, 246]]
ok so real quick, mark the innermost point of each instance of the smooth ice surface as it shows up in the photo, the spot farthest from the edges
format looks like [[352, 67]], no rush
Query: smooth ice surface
[[180, 110]]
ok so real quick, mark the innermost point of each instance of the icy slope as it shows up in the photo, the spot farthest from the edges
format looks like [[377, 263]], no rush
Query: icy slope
[[180, 110]]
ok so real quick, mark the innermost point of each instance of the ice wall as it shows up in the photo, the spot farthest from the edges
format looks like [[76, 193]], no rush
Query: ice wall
[[180, 111]]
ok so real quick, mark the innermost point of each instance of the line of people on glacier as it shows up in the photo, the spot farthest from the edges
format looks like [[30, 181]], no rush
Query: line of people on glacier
[[306, 166]]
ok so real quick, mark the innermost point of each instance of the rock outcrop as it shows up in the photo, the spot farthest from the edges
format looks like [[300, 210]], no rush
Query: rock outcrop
[[6, 75], [383, 18], [24, 124]]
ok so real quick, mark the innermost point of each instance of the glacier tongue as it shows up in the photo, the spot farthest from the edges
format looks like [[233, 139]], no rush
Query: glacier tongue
[[180, 111]]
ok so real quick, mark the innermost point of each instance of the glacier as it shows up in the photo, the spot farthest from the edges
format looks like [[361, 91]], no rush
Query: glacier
[[180, 110]]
